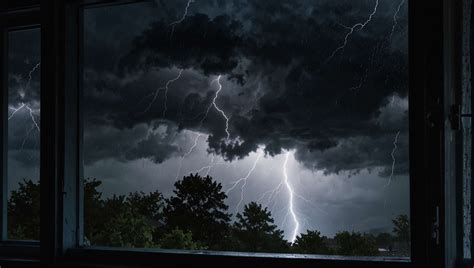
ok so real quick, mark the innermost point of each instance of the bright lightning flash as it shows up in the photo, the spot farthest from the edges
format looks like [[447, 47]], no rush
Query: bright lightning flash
[[218, 81], [291, 205]]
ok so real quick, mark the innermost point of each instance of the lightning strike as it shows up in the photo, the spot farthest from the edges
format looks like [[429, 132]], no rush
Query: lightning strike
[[394, 160], [188, 153], [208, 167], [30, 74], [32, 116], [244, 180], [356, 27], [165, 109], [218, 81], [185, 14], [166, 89], [395, 18], [35, 124], [15, 110], [291, 205]]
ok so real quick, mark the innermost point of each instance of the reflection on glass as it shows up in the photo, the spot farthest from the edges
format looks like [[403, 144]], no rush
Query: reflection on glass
[[277, 126], [23, 134]]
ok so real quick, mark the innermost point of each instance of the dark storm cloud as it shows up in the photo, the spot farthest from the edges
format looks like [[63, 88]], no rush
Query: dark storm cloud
[[330, 110], [155, 143]]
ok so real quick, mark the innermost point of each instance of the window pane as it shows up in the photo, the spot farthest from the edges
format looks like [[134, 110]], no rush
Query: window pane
[[274, 126], [23, 134]]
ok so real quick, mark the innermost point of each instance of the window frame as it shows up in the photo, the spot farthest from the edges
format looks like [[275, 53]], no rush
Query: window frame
[[12, 19], [61, 142]]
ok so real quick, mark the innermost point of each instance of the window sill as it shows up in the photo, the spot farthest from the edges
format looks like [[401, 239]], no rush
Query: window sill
[[145, 257]]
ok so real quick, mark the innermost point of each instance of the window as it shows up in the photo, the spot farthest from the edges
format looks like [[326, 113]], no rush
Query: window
[[319, 122], [23, 134], [218, 125]]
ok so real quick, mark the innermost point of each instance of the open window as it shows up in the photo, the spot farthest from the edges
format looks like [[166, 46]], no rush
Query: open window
[[290, 133], [222, 127]]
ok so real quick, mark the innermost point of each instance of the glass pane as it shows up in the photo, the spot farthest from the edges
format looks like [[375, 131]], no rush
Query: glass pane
[[23, 134], [253, 126]]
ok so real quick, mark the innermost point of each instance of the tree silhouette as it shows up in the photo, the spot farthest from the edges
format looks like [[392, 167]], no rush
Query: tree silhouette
[[355, 244], [126, 229], [125, 221], [402, 229], [194, 218], [385, 240], [24, 211], [311, 243], [198, 206], [256, 232], [178, 239]]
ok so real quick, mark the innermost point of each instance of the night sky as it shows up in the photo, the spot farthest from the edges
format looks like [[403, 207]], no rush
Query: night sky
[[232, 89]]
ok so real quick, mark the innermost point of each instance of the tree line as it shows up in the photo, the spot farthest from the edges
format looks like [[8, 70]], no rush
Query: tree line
[[195, 217]]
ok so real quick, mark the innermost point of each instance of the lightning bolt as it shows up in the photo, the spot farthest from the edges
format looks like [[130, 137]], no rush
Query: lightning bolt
[[291, 205], [30, 74], [31, 112], [356, 27], [28, 82], [165, 109], [166, 89], [32, 116], [394, 160], [218, 81], [212, 105], [15, 110], [208, 167], [187, 154], [395, 18], [185, 14], [244, 184]]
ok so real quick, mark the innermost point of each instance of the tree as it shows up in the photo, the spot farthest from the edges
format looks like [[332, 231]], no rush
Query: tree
[[355, 244], [150, 205], [198, 206], [126, 229], [311, 243], [126, 221], [24, 211], [93, 206], [256, 232], [178, 239], [384, 240], [402, 229]]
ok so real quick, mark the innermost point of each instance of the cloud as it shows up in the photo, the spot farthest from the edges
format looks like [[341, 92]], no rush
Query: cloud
[[281, 89]]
